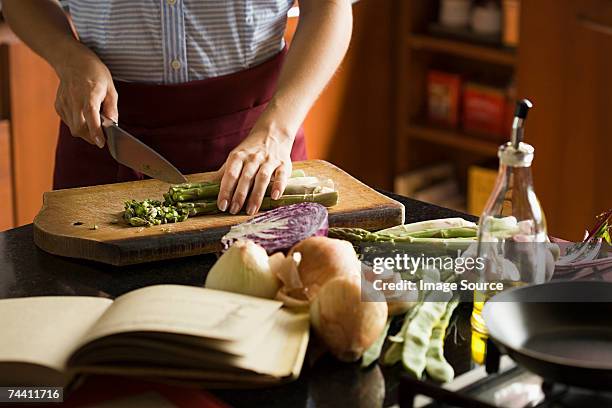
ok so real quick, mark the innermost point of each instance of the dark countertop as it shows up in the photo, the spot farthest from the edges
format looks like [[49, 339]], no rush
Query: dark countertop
[[27, 271]]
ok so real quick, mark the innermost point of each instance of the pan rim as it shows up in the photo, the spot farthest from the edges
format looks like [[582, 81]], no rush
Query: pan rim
[[551, 358], [542, 356]]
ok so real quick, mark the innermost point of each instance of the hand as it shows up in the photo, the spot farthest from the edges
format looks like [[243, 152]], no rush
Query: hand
[[264, 156], [86, 85]]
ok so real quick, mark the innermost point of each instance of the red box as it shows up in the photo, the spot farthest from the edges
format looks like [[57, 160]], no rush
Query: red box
[[484, 110], [443, 96]]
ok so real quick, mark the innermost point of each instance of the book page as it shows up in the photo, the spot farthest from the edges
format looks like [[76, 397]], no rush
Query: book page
[[281, 353], [185, 310], [278, 356], [46, 330]]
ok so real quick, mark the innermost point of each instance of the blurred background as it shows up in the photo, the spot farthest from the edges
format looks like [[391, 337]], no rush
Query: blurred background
[[420, 105]]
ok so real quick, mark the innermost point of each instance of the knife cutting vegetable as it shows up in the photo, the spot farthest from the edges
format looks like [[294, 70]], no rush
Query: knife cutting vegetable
[[133, 153]]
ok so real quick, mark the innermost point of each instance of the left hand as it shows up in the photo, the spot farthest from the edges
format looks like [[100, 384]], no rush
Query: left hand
[[264, 156]]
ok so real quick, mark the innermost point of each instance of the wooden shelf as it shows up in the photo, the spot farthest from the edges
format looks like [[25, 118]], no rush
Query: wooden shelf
[[453, 139], [464, 49]]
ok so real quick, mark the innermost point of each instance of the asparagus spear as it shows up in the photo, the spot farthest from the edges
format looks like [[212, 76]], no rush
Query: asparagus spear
[[436, 224], [297, 184], [202, 207], [363, 235]]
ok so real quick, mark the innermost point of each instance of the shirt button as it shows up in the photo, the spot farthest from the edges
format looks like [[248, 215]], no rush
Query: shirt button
[[175, 64], [171, 2]]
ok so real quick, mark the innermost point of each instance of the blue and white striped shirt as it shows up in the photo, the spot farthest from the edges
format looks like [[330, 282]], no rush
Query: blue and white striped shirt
[[176, 41]]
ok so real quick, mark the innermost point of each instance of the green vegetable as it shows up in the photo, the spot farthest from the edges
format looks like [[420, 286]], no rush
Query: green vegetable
[[204, 191], [362, 235], [298, 183], [358, 236], [394, 353], [372, 354], [438, 224], [417, 337], [152, 212], [192, 199], [210, 207], [436, 365]]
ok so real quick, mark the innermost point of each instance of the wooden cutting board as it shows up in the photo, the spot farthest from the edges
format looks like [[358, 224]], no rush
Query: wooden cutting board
[[65, 224]]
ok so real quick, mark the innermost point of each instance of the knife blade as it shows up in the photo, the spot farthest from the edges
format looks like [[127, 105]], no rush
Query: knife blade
[[133, 153]]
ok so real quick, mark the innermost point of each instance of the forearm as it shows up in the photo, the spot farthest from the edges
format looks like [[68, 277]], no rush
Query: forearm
[[44, 27], [318, 47]]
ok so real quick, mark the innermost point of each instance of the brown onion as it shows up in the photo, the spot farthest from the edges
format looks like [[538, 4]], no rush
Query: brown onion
[[346, 323], [311, 263], [323, 259]]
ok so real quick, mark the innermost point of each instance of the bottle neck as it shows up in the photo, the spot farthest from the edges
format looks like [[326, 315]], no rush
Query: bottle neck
[[513, 194]]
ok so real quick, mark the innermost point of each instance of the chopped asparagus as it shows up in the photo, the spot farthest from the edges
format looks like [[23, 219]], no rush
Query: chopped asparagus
[[152, 212]]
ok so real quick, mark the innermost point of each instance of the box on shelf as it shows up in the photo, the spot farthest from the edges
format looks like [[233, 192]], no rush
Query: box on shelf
[[511, 22], [484, 110], [443, 98], [480, 185]]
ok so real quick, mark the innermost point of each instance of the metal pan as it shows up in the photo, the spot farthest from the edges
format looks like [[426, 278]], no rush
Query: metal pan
[[561, 331]]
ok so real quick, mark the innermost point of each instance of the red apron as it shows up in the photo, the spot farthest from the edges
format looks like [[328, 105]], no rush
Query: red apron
[[194, 125]]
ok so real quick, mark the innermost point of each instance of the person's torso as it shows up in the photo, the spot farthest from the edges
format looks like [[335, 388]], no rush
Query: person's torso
[[176, 41]]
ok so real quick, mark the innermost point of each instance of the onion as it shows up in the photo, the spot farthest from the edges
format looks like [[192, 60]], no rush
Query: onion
[[398, 301], [346, 323], [313, 262], [245, 268], [281, 228]]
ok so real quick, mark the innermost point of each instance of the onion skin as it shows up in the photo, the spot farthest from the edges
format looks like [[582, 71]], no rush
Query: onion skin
[[347, 324], [323, 259], [245, 268]]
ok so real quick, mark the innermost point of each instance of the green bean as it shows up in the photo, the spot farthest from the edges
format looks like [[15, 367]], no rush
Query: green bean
[[417, 337], [373, 352], [436, 365], [394, 353]]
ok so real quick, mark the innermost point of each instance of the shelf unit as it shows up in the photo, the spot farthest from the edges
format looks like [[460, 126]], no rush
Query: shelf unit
[[484, 53], [452, 139], [419, 144]]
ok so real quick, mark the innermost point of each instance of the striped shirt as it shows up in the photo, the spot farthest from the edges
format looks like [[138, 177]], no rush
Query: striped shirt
[[176, 41]]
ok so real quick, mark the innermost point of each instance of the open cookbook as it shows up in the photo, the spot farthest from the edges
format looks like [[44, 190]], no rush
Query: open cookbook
[[166, 332]]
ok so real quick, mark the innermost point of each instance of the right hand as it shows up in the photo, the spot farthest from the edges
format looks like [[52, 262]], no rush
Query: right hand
[[86, 89]]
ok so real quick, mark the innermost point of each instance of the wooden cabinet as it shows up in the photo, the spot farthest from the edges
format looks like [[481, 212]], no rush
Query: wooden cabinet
[[28, 131], [563, 64], [6, 178]]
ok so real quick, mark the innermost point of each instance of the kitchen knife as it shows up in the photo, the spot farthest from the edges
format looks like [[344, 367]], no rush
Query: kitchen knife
[[131, 152]]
